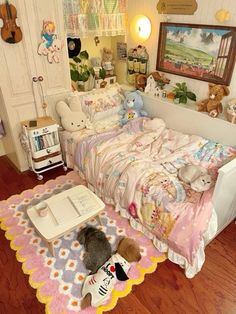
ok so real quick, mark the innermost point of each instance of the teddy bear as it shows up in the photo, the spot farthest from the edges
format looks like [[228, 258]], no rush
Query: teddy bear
[[70, 120], [195, 176], [140, 82], [132, 107], [107, 61], [213, 104]]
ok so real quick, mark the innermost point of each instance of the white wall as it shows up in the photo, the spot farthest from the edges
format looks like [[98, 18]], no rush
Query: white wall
[[204, 15]]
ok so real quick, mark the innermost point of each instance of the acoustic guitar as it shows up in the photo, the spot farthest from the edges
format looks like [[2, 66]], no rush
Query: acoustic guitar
[[10, 32]]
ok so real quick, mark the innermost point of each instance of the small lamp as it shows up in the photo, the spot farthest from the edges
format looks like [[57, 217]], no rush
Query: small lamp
[[140, 28]]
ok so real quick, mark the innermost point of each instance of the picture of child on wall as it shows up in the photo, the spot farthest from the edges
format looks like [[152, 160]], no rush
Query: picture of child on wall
[[48, 33]]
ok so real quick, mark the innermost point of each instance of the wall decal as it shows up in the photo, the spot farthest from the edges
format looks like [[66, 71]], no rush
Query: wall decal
[[222, 15], [50, 45]]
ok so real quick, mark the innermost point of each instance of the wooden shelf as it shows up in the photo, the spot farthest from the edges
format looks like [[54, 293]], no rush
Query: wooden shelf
[[185, 118]]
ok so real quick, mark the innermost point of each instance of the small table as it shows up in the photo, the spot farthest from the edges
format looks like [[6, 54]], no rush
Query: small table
[[63, 216]]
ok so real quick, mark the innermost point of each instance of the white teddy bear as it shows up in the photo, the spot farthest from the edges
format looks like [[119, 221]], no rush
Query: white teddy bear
[[70, 120]]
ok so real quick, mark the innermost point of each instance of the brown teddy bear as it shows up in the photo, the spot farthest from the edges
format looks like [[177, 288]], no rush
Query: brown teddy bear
[[213, 104], [107, 61], [140, 81]]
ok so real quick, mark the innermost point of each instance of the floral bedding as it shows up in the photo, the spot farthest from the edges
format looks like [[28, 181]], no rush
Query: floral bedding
[[136, 169]]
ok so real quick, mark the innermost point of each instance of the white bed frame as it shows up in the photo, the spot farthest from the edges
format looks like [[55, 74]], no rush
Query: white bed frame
[[186, 119]]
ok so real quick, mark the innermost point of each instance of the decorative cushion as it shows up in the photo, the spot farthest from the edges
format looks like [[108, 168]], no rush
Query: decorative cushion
[[98, 104]]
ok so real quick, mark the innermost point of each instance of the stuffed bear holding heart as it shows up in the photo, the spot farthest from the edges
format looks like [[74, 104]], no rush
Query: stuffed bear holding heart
[[132, 108]]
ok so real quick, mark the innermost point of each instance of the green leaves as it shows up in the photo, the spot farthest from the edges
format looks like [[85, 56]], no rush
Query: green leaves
[[102, 73], [77, 59], [84, 55], [80, 70], [182, 92], [191, 96], [74, 74]]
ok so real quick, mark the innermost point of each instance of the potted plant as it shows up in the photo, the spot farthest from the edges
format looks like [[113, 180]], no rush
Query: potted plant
[[102, 75], [182, 94], [81, 72]]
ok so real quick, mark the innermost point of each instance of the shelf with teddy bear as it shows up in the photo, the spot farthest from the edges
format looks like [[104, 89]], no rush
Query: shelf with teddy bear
[[104, 69], [157, 86]]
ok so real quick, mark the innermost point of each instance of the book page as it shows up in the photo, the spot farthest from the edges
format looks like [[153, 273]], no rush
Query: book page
[[84, 202], [63, 211]]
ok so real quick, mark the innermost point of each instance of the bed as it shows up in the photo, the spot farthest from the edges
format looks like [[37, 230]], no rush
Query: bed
[[141, 180]]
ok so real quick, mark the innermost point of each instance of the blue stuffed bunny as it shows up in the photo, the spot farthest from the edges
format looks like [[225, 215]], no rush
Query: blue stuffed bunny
[[132, 107]]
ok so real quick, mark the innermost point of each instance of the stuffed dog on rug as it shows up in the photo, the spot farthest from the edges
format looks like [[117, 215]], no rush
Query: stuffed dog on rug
[[97, 248], [97, 288]]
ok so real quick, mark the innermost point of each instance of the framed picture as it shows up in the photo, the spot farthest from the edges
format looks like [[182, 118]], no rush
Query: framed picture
[[201, 52]]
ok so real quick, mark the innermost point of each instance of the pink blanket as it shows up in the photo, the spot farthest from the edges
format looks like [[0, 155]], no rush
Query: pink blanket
[[137, 169]]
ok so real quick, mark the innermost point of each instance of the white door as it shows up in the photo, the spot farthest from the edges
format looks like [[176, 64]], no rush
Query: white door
[[20, 62]]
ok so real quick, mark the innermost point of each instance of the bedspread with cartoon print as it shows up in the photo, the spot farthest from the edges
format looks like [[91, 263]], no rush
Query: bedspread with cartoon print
[[137, 169]]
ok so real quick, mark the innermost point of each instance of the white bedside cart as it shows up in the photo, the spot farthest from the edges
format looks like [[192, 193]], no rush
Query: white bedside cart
[[44, 151]]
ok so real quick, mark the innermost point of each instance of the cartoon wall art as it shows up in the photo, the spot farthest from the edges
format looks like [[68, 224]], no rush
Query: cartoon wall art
[[50, 45]]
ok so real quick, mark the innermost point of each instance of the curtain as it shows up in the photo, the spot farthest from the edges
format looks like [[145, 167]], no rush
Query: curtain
[[84, 18]]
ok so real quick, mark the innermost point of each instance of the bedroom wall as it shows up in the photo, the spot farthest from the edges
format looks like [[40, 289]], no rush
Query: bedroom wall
[[2, 150], [204, 15]]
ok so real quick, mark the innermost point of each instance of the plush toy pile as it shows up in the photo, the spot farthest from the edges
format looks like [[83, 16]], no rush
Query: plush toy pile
[[97, 287], [213, 104], [132, 108]]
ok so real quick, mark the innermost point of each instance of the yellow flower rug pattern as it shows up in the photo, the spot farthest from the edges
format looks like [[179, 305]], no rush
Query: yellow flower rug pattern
[[58, 280]]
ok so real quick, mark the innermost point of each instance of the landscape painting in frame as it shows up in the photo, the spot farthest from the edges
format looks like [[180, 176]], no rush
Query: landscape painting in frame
[[201, 52]]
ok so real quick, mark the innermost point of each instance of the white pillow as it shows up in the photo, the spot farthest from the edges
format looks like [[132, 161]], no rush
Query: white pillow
[[98, 104]]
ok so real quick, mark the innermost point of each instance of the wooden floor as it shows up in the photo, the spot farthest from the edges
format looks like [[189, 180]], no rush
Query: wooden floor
[[166, 291]]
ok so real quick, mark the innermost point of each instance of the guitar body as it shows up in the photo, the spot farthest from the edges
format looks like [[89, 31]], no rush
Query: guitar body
[[10, 32]]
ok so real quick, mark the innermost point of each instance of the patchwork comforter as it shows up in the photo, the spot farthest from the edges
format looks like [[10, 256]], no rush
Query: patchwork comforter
[[136, 168]]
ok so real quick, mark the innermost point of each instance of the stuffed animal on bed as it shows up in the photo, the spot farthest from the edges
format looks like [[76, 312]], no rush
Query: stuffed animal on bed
[[196, 176], [70, 120], [97, 287], [213, 104], [132, 108]]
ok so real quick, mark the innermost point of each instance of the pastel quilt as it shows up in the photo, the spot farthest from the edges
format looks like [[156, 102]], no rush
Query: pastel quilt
[[136, 169]]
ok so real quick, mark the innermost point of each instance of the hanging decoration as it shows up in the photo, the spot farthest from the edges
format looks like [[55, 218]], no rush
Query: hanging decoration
[[10, 32], [85, 18], [50, 45], [74, 47]]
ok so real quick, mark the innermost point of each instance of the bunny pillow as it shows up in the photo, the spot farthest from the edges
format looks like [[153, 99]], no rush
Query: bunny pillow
[[70, 120]]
